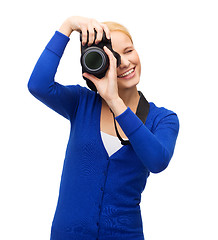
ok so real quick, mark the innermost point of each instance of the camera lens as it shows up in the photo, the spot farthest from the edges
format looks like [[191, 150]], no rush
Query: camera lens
[[93, 60]]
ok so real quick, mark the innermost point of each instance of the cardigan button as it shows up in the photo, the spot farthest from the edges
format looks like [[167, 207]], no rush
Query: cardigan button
[[102, 188]]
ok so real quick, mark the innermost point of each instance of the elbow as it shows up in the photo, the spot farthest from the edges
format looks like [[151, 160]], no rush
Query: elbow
[[160, 163], [34, 88], [159, 167], [30, 87]]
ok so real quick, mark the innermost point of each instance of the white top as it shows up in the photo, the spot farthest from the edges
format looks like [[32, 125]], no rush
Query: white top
[[111, 143]]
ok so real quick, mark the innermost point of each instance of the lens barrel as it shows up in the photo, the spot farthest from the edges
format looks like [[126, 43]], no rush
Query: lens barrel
[[94, 60]]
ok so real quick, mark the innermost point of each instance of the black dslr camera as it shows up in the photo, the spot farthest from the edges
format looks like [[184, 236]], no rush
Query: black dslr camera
[[94, 60]]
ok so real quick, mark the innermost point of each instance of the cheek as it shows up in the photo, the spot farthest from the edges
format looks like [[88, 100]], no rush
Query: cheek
[[138, 63], [135, 59], [139, 68]]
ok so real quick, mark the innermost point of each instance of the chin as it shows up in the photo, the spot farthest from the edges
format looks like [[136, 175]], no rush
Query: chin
[[128, 84]]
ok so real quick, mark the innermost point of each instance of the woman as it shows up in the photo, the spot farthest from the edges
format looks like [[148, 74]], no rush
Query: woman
[[102, 180]]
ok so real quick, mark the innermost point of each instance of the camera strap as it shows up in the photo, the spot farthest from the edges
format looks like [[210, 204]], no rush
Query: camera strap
[[141, 113]]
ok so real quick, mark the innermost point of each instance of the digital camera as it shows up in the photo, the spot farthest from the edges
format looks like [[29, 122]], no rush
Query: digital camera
[[94, 60]]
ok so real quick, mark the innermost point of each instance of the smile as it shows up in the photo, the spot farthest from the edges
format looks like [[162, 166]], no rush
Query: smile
[[129, 73]]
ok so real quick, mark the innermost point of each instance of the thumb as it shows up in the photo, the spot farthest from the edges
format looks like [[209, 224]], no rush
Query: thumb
[[91, 77]]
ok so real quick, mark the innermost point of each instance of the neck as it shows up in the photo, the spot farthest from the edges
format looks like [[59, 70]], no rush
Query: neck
[[130, 97]]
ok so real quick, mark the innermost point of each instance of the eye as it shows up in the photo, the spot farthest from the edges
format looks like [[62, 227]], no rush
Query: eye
[[129, 51]]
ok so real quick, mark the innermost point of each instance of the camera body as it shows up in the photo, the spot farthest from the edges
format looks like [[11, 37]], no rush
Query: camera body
[[94, 60]]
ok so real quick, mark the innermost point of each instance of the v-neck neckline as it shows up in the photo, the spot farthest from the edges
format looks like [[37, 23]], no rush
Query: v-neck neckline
[[99, 131]]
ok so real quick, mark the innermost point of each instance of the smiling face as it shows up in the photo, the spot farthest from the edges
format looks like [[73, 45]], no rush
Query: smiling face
[[129, 71]]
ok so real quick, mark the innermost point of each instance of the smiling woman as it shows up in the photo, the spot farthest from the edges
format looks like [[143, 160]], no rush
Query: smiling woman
[[122, 43], [102, 181], [130, 68]]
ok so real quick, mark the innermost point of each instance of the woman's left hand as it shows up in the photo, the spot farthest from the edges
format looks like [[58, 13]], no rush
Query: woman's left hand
[[107, 86]]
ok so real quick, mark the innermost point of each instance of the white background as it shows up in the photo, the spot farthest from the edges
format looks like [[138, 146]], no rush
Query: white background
[[177, 42]]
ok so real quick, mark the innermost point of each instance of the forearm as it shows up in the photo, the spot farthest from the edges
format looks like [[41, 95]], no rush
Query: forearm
[[153, 154], [60, 98], [42, 77], [154, 149]]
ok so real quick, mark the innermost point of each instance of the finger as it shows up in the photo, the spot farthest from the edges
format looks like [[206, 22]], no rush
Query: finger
[[106, 29], [91, 35], [84, 36], [112, 59], [91, 77], [99, 36]]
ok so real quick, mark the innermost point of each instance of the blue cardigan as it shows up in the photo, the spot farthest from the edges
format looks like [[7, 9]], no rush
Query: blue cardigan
[[99, 196]]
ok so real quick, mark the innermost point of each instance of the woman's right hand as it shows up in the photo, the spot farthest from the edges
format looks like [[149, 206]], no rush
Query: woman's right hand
[[86, 26]]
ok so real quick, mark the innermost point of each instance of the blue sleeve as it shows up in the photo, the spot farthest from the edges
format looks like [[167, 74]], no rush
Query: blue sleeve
[[154, 149], [62, 99]]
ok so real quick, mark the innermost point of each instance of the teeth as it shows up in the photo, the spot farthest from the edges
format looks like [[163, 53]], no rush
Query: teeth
[[125, 74]]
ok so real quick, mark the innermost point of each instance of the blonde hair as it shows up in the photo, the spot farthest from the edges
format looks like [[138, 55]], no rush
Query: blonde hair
[[114, 26]]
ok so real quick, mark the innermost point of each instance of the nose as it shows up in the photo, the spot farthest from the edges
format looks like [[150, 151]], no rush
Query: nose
[[124, 62]]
